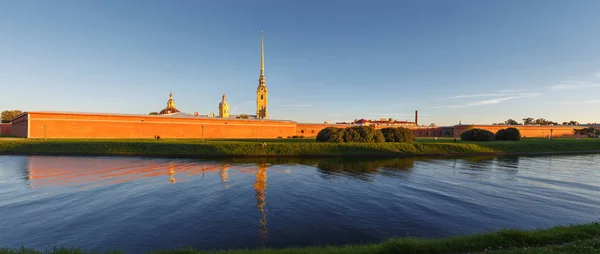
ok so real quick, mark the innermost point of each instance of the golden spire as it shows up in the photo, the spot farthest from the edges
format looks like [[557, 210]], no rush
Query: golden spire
[[172, 173], [262, 53], [171, 102], [224, 175]]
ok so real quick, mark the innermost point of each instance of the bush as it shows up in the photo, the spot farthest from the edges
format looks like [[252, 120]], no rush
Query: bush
[[500, 134], [511, 134], [358, 134], [363, 134], [331, 134], [477, 135], [399, 134]]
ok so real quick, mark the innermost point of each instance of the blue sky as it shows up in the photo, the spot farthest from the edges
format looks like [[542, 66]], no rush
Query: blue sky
[[469, 61]]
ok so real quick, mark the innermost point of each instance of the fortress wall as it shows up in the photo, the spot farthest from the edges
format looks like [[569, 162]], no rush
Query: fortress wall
[[20, 126], [5, 129], [88, 125], [530, 131], [312, 129], [78, 125]]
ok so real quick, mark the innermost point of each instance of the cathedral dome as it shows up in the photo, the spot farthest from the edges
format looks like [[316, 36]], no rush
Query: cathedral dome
[[168, 111]]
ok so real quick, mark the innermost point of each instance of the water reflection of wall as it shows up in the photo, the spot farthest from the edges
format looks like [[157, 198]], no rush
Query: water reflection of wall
[[61, 171], [483, 166], [365, 169]]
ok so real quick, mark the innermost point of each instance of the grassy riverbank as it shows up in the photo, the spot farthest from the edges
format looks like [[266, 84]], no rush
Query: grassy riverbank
[[562, 239], [286, 147]]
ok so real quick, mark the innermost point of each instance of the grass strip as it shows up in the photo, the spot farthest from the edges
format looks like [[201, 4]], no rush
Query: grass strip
[[561, 239], [290, 148]]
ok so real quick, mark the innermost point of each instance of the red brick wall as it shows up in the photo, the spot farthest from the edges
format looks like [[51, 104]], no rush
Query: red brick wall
[[428, 132], [73, 125], [311, 130], [20, 125], [530, 131], [77, 125], [5, 129]]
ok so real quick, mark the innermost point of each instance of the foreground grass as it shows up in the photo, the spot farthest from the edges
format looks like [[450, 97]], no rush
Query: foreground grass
[[286, 147], [561, 239]]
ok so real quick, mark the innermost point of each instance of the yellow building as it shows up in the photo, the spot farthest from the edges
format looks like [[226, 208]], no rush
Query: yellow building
[[223, 108], [261, 91]]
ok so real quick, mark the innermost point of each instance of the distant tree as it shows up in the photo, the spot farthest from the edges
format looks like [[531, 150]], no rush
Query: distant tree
[[511, 122], [8, 115], [432, 125], [528, 121], [589, 131], [565, 123], [477, 134], [399, 134], [573, 123], [244, 116], [542, 121], [391, 119], [153, 113]]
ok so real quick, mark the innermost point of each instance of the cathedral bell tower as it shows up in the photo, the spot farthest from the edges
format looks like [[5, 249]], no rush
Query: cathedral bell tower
[[261, 91], [223, 108]]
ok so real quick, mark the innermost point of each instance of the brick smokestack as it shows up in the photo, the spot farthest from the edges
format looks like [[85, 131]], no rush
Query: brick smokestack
[[416, 117]]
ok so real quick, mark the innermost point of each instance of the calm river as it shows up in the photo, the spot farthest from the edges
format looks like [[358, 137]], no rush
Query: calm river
[[140, 204]]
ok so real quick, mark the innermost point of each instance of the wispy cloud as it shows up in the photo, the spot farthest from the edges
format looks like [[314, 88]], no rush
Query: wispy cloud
[[297, 105], [491, 101], [476, 95], [492, 94], [510, 91], [573, 85], [597, 74], [581, 102], [449, 106]]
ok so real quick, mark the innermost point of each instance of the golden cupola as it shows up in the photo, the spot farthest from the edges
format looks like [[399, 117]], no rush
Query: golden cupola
[[170, 109]]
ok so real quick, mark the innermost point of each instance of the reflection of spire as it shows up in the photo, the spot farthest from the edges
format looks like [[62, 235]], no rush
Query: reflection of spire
[[259, 187], [172, 173], [224, 175]]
